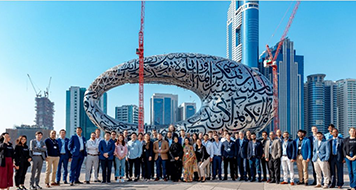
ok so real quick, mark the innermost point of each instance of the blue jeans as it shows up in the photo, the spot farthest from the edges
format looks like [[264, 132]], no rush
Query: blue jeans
[[217, 166], [63, 160], [255, 164], [120, 167], [160, 163], [242, 164], [351, 166]]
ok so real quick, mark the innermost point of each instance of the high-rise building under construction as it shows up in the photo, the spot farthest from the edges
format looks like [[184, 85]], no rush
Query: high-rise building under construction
[[44, 113]]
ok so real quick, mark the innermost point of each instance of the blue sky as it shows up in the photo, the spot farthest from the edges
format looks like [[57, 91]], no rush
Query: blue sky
[[74, 42]]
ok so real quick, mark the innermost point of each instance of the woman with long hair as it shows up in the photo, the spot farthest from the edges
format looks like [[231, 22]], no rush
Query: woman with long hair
[[147, 157], [194, 139], [202, 159], [6, 163], [176, 153], [189, 161], [22, 161], [120, 157]]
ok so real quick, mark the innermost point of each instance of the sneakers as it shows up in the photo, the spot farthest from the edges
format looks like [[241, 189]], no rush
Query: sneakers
[[33, 187], [122, 180], [38, 187], [118, 180]]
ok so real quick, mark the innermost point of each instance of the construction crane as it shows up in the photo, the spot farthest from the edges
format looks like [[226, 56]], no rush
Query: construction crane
[[139, 52], [47, 89], [271, 62], [38, 95]]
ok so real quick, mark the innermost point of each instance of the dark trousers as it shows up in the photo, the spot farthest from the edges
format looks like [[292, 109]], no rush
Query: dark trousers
[[135, 162], [161, 166], [169, 168], [248, 171], [63, 160], [152, 169], [106, 166], [336, 170], [20, 174], [231, 162], [242, 164], [217, 166], [255, 165], [147, 168], [75, 167], [114, 163], [264, 167], [274, 166], [127, 169], [177, 172]]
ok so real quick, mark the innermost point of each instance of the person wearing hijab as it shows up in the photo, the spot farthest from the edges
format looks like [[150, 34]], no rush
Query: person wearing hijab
[[176, 153]]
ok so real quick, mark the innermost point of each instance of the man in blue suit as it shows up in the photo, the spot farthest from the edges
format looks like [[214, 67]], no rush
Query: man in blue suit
[[337, 159], [241, 147], [321, 155], [288, 158], [303, 153], [106, 156], [229, 153], [254, 154], [64, 157], [77, 147]]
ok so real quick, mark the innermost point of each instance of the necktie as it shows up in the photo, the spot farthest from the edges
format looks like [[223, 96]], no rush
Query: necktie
[[334, 147]]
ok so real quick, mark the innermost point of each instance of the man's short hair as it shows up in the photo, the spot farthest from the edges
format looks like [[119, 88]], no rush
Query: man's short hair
[[97, 129], [332, 125], [319, 133], [113, 132], [335, 129], [253, 133], [79, 128], [62, 130], [134, 133], [265, 132], [302, 131], [108, 132], [38, 132], [286, 132], [210, 132]]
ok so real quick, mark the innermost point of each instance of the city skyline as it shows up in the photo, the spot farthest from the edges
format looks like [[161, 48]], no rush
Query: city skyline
[[75, 47]]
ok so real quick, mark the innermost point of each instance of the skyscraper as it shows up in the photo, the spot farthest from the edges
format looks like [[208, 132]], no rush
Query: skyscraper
[[330, 103], [242, 32], [163, 109], [75, 114], [346, 104], [44, 113], [127, 113], [290, 87], [186, 110]]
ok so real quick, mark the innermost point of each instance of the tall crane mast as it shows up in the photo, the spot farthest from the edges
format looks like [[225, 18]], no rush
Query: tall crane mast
[[140, 52], [38, 95], [271, 62]]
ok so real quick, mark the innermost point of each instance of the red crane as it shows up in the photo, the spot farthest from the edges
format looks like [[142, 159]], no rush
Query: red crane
[[271, 62], [139, 52]]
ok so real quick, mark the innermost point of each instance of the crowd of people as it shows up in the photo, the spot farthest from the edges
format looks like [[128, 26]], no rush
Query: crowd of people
[[180, 156]]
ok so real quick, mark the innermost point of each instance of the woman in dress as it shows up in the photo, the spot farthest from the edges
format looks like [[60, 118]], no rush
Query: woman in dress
[[202, 159], [189, 161], [147, 157], [120, 157], [6, 164], [22, 161], [176, 153]]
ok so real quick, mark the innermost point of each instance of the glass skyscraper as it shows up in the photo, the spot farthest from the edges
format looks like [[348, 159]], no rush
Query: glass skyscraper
[[163, 109], [186, 110], [346, 105], [242, 32], [127, 113]]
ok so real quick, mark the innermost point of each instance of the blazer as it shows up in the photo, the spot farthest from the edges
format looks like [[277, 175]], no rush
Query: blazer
[[3, 147], [276, 147], [21, 155], [109, 148], [228, 149], [33, 148], [146, 153], [290, 149], [74, 145], [241, 149], [258, 149], [323, 151], [339, 148], [311, 139], [164, 149], [66, 142], [305, 148]]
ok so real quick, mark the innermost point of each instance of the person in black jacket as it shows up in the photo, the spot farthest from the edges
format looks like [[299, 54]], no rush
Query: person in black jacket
[[6, 164], [254, 155], [229, 153], [202, 159], [176, 154], [349, 150], [22, 161], [147, 157]]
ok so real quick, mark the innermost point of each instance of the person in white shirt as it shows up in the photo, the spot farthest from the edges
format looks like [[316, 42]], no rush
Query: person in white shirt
[[216, 157], [208, 147], [92, 161]]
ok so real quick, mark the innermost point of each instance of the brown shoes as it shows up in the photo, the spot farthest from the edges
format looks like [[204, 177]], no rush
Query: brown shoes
[[55, 184], [47, 185], [292, 183], [284, 182], [318, 186]]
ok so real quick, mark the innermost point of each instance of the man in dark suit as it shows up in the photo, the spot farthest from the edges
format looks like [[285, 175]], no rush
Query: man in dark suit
[[273, 154], [241, 147], [77, 147], [106, 156], [64, 157], [229, 152], [254, 154], [263, 159], [336, 159]]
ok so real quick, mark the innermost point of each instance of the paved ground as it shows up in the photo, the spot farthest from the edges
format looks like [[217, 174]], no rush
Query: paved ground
[[208, 185]]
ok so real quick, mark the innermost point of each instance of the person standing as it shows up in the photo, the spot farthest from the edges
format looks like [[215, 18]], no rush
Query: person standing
[[134, 147], [161, 148], [92, 161], [336, 160], [22, 161], [120, 157], [349, 150], [169, 139], [229, 156], [202, 159], [64, 158], [216, 157], [176, 152], [147, 157], [77, 147], [248, 171], [312, 139], [330, 135], [6, 163], [189, 161], [321, 155], [113, 137], [241, 145], [106, 155], [208, 145], [288, 158], [254, 154], [52, 158], [38, 154], [273, 153], [263, 159], [303, 153]]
